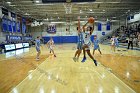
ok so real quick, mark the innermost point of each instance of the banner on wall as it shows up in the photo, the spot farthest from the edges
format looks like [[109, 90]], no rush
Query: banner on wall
[[18, 26], [14, 26], [99, 26], [51, 28], [23, 28], [108, 26], [9, 25], [4, 24], [23, 19]]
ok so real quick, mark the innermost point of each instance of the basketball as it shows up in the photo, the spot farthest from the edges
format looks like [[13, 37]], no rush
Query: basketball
[[91, 20]]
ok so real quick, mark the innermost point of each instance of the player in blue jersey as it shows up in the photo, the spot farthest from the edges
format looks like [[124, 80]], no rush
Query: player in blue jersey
[[79, 43], [37, 45], [96, 45]]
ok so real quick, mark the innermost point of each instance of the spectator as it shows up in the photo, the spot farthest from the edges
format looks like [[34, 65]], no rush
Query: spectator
[[130, 42], [135, 41], [139, 39]]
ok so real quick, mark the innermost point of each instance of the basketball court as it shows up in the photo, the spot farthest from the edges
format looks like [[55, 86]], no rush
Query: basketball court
[[23, 71]]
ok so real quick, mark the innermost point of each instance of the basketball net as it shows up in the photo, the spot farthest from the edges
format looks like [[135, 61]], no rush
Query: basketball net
[[68, 7], [68, 25]]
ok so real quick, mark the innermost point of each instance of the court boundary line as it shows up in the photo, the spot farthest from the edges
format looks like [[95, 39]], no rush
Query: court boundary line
[[124, 83], [119, 79], [26, 77], [95, 71], [101, 65]]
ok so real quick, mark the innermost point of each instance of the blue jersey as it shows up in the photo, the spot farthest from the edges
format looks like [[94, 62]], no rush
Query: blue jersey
[[37, 43], [96, 42], [80, 37], [116, 42]]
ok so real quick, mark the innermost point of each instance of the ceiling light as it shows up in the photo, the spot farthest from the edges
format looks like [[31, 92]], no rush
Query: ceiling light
[[37, 1], [57, 22], [8, 2], [80, 11], [90, 10], [103, 10], [44, 4], [27, 14], [46, 19], [114, 17]]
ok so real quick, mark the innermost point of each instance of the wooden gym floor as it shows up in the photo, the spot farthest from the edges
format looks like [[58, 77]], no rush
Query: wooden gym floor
[[116, 73]]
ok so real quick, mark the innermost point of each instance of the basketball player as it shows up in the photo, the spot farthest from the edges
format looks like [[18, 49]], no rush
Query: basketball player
[[80, 42], [96, 45], [113, 43], [50, 45], [117, 42], [37, 45], [87, 41]]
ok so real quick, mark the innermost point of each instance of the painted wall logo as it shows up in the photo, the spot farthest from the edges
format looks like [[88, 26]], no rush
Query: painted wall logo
[[51, 28], [103, 33]]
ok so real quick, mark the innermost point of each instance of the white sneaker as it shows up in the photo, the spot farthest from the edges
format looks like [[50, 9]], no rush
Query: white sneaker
[[74, 58], [77, 59], [37, 59]]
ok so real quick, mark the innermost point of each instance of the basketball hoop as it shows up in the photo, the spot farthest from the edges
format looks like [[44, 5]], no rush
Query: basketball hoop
[[68, 7]]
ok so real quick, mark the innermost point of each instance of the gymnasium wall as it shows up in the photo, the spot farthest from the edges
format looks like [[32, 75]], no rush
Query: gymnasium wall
[[63, 36]]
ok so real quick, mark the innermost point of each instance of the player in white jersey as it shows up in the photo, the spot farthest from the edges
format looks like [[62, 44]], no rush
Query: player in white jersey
[[50, 45], [113, 43], [87, 42]]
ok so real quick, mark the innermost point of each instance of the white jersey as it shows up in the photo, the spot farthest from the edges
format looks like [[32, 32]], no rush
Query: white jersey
[[87, 37], [113, 41], [50, 44]]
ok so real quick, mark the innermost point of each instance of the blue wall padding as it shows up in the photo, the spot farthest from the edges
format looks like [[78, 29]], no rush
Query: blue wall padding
[[63, 39]]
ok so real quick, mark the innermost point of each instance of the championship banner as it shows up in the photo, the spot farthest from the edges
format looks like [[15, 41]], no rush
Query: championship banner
[[108, 26], [9, 25], [14, 26], [99, 27], [4, 24], [18, 26], [23, 28], [51, 28]]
